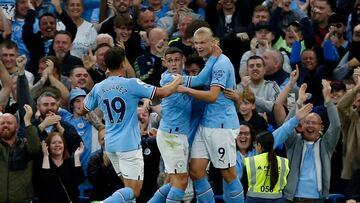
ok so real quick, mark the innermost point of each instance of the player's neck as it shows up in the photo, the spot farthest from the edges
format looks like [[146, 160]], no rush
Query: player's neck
[[119, 72]]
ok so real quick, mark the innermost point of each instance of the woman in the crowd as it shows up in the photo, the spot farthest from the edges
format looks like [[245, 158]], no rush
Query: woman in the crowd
[[59, 175], [86, 33], [266, 172]]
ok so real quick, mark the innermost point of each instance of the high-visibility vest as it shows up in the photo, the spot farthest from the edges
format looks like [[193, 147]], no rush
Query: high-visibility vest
[[258, 174]]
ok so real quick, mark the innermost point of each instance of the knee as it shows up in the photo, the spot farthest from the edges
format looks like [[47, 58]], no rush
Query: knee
[[228, 175], [196, 174]]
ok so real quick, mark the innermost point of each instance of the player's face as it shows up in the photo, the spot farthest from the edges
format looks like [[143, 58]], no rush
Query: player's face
[[48, 105], [256, 69], [56, 147], [78, 103], [243, 140], [203, 44], [79, 77], [8, 57], [193, 69], [75, 9], [311, 127], [47, 26], [246, 107], [174, 62]]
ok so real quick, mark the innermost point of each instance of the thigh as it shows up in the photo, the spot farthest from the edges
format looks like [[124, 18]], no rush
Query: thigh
[[174, 149], [221, 146], [198, 147], [132, 165]]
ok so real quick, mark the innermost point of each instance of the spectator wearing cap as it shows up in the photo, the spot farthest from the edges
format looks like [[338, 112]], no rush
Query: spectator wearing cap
[[82, 125], [264, 36], [40, 44]]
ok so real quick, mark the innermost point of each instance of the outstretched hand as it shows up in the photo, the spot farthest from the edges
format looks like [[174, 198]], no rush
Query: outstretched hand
[[304, 111]]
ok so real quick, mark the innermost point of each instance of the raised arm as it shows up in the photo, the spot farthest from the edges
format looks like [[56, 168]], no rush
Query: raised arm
[[31, 133], [6, 86], [332, 134], [281, 100]]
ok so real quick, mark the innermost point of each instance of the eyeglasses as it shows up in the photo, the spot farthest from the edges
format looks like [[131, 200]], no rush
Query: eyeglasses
[[311, 123]]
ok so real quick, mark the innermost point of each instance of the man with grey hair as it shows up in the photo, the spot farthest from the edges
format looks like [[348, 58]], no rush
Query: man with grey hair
[[274, 71]]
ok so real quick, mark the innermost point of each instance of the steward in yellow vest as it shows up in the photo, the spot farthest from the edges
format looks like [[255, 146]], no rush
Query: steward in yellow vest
[[266, 172]]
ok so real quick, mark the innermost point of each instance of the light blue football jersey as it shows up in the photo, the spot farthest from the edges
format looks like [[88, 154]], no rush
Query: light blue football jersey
[[118, 98], [176, 109], [222, 113]]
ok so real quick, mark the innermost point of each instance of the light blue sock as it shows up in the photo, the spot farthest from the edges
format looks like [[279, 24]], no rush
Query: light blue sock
[[175, 195], [161, 194], [203, 190], [233, 192], [119, 196]]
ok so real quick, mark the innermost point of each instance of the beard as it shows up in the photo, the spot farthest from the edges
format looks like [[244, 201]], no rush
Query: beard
[[7, 134], [60, 55]]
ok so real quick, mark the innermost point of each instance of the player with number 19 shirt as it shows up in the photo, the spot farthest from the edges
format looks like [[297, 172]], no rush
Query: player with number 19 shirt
[[118, 97]]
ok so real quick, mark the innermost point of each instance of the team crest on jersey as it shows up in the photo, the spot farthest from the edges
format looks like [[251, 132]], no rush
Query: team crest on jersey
[[218, 74], [80, 125], [142, 83]]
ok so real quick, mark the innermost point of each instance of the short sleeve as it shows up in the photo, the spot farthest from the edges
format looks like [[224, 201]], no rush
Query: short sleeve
[[141, 89], [219, 75], [91, 100]]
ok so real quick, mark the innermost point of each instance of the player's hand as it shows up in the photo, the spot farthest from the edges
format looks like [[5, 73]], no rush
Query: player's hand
[[182, 89], [178, 79], [231, 94]]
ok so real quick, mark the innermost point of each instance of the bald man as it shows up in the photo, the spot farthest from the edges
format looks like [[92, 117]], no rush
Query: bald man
[[310, 152], [148, 67], [16, 159]]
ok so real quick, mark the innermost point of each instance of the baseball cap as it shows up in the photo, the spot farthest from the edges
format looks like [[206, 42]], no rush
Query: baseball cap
[[76, 92], [264, 25]]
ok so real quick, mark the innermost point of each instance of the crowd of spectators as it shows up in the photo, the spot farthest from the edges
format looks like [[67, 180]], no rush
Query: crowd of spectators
[[285, 54]]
